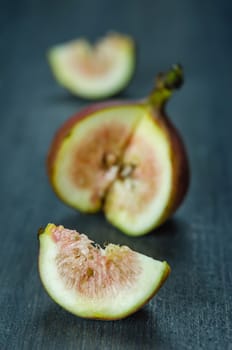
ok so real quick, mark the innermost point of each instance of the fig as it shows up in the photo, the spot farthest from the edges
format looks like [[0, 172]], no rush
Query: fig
[[94, 71], [125, 158], [93, 282]]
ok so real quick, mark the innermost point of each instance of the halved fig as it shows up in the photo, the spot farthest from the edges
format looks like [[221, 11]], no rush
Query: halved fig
[[97, 283], [94, 71], [125, 158]]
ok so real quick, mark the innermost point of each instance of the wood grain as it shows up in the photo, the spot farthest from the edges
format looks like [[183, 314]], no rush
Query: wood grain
[[193, 309]]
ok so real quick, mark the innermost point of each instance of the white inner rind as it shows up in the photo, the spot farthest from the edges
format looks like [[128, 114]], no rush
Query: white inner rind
[[80, 197], [124, 303], [122, 64]]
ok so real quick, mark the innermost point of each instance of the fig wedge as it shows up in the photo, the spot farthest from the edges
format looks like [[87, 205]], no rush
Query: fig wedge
[[92, 282], [94, 71], [125, 158]]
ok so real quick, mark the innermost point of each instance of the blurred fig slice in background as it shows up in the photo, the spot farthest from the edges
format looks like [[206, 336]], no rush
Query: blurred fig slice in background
[[94, 71]]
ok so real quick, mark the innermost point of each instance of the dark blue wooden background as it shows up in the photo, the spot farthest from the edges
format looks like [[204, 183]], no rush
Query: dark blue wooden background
[[193, 309]]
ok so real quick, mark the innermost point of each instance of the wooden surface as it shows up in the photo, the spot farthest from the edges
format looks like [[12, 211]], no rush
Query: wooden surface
[[193, 309]]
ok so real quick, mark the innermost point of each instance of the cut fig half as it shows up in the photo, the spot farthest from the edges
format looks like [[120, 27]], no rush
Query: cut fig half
[[94, 71], [125, 158], [97, 283]]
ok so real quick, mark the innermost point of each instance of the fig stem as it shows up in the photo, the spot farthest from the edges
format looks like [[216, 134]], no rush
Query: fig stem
[[165, 85]]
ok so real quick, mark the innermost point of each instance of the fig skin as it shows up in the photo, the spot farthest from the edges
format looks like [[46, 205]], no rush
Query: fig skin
[[180, 166], [165, 84], [155, 107]]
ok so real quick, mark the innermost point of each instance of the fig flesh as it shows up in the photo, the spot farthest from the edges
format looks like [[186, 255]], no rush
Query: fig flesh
[[97, 283], [125, 158], [94, 71]]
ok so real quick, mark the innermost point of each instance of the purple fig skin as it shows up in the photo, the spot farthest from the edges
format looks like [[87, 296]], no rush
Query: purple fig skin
[[180, 166]]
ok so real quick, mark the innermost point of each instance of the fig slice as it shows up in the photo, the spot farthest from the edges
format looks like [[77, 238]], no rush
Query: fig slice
[[125, 158], [94, 71], [138, 198], [93, 282]]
